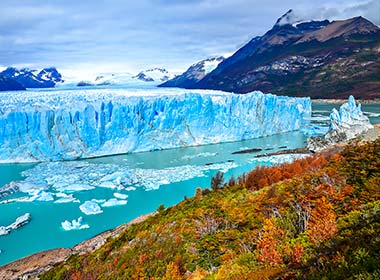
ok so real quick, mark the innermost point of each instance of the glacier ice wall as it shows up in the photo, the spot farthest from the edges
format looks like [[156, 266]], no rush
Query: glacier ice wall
[[66, 125]]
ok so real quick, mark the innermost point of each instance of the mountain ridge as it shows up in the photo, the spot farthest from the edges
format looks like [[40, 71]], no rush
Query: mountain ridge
[[320, 59], [29, 78]]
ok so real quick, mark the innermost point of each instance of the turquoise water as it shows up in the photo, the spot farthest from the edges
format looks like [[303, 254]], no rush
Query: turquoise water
[[45, 231], [178, 173]]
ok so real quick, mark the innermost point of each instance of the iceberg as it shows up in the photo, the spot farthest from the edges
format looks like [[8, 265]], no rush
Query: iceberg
[[90, 208], [74, 224], [20, 222], [114, 202], [71, 124], [345, 124], [120, 195]]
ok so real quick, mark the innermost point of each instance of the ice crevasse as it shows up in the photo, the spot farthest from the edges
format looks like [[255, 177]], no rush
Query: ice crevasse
[[66, 125]]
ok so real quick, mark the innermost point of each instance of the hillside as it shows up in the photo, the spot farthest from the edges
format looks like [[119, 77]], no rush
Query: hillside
[[9, 84], [320, 59], [317, 217], [194, 73]]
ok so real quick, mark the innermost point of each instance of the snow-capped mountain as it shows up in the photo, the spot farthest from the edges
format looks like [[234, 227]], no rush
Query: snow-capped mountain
[[148, 77], [154, 75], [195, 73], [46, 78], [7, 84]]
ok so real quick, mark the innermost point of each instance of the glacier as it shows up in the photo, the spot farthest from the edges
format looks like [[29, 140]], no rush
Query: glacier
[[59, 125]]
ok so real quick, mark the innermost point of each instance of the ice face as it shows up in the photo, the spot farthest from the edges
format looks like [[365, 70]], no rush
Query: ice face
[[349, 116], [65, 125]]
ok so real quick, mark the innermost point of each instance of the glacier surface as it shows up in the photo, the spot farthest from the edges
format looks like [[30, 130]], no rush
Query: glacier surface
[[71, 124]]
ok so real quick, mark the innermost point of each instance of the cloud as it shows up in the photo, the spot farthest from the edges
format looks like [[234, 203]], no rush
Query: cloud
[[139, 34]]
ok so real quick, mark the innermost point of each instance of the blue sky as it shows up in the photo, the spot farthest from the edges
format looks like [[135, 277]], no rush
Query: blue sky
[[114, 35]]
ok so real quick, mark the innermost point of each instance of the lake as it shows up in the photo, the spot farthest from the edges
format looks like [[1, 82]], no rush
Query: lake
[[153, 178]]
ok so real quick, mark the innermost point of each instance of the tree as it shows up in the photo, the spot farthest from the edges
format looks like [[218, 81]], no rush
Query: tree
[[217, 180]]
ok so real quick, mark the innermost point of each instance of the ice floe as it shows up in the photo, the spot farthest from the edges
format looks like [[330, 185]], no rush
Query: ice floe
[[20, 221], [90, 208], [114, 202], [74, 224], [120, 195], [278, 159]]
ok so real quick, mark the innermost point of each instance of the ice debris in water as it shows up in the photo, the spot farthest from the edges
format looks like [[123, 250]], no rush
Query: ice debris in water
[[74, 224], [20, 221], [120, 195], [67, 125], [90, 208], [278, 159], [114, 202]]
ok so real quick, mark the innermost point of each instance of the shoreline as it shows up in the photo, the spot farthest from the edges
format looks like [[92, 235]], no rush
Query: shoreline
[[341, 101], [31, 266]]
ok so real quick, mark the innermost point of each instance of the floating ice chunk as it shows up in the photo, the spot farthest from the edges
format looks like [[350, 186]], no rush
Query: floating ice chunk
[[74, 224], [98, 200], [90, 208], [129, 189], [205, 154], [120, 195], [114, 202], [20, 221], [65, 198], [279, 159], [44, 196], [4, 230], [109, 185], [75, 188]]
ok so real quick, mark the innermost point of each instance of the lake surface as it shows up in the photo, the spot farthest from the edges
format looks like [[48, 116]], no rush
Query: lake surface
[[153, 178]]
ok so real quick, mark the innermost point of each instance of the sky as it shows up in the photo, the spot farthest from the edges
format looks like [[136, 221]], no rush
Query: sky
[[128, 36]]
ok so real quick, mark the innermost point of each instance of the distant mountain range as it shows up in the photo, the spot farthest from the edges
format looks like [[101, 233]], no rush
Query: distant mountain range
[[320, 59], [194, 74], [154, 75], [14, 79], [151, 76]]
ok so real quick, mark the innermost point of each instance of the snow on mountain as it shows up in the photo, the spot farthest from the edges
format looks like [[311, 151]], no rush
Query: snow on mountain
[[195, 73], [154, 75], [66, 124], [29, 78], [148, 78]]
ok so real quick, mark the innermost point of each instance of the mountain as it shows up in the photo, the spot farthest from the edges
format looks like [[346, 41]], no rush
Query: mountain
[[7, 84], [46, 78], [150, 77], [154, 75], [320, 59], [194, 74]]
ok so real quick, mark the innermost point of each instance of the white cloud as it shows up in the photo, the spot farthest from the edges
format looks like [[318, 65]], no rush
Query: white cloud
[[102, 35]]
